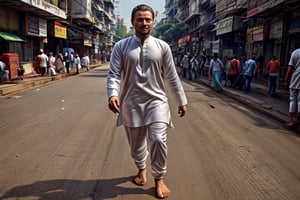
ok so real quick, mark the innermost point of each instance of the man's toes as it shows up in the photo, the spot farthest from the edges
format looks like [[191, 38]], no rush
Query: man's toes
[[162, 191], [163, 195], [138, 181]]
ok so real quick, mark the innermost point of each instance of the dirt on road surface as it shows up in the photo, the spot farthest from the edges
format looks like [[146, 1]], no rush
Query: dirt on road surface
[[60, 142]]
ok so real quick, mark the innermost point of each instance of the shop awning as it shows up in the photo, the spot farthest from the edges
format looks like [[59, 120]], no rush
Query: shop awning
[[11, 37]]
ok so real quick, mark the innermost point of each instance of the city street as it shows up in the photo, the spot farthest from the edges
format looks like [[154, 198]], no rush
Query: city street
[[60, 142]]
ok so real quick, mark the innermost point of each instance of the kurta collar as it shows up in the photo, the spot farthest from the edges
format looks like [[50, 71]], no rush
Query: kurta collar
[[139, 40]]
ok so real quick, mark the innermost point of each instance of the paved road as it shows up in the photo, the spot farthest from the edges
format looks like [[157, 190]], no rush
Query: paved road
[[59, 141]]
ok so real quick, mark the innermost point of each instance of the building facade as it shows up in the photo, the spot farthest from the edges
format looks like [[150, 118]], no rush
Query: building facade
[[26, 26], [241, 27]]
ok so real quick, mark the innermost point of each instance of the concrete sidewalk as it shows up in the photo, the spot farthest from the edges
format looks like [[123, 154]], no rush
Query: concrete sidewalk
[[31, 81], [275, 108]]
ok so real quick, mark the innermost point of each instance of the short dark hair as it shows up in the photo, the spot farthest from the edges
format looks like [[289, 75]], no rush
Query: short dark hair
[[141, 7]]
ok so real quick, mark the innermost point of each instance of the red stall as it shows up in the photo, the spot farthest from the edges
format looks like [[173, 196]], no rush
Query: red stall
[[12, 64]]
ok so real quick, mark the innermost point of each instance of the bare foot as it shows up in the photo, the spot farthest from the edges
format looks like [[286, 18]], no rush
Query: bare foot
[[141, 178], [162, 191]]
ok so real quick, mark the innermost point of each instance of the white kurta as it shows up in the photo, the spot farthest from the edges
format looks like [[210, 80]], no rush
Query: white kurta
[[141, 71]]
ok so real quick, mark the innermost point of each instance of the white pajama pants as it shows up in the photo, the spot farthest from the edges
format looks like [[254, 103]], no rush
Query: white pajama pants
[[153, 136], [294, 101]]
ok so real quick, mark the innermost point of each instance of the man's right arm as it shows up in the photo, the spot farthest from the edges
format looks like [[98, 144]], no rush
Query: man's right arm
[[114, 104], [114, 80], [288, 75]]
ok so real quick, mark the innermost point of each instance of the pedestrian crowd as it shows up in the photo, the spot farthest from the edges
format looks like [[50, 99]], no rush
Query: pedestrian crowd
[[50, 65], [238, 73], [231, 71]]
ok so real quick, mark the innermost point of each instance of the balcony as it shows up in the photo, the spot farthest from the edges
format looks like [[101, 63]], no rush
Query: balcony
[[40, 8], [109, 1], [181, 15]]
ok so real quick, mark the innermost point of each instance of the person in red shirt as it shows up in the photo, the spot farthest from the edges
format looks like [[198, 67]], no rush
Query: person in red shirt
[[234, 69], [272, 70]]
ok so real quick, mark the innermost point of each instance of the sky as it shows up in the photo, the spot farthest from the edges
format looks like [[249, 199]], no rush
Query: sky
[[125, 7]]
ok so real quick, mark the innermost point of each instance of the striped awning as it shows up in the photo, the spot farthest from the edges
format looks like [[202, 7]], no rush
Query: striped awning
[[11, 37]]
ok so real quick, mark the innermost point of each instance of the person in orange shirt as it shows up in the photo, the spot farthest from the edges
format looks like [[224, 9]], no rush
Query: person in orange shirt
[[234, 69], [272, 70]]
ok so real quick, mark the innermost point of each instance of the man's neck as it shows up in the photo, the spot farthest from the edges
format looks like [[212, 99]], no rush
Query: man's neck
[[142, 37]]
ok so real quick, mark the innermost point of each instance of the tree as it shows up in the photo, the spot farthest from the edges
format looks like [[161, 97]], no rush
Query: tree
[[123, 32], [170, 32]]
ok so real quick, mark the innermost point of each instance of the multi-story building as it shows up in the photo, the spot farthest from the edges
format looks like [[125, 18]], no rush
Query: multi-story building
[[193, 22], [207, 33], [240, 27], [33, 22], [171, 10], [230, 28], [91, 25], [273, 29], [26, 26], [199, 15], [182, 12]]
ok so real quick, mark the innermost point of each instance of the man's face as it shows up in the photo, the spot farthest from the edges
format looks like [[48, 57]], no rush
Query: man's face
[[143, 23]]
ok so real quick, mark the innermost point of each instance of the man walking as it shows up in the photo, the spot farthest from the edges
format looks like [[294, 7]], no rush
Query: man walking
[[42, 62], [293, 74], [215, 70], [272, 70], [139, 68], [249, 73]]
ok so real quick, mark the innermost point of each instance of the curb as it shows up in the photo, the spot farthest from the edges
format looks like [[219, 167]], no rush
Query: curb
[[20, 85], [254, 103], [16, 87]]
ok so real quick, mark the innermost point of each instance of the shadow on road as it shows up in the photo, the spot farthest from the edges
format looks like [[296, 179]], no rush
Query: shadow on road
[[64, 189]]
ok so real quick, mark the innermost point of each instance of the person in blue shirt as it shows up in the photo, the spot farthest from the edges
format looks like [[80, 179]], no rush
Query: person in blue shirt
[[249, 72]]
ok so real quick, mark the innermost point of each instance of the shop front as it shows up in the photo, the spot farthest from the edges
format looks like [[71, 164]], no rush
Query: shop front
[[11, 46]]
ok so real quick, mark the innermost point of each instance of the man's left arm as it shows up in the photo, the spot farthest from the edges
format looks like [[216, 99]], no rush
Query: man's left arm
[[173, 79]]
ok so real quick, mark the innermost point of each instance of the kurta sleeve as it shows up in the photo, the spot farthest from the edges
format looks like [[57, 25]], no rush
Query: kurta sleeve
[[114, 73], [172, 78]]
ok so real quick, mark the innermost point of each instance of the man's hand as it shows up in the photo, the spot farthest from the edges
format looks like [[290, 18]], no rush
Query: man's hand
[[114, 104], [181, 110]]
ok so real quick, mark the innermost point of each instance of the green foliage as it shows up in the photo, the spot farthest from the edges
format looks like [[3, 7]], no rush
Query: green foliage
[[121, 31], [170, 32]]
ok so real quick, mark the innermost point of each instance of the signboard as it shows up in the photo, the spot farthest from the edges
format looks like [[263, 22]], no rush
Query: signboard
[[216, 46], [255, 34], [35, 26], [224, 26], [276, 29], [258, 33], [48, 7], [87, 41], [42, 28], [32, 25], [60, 31], [263, 7]]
